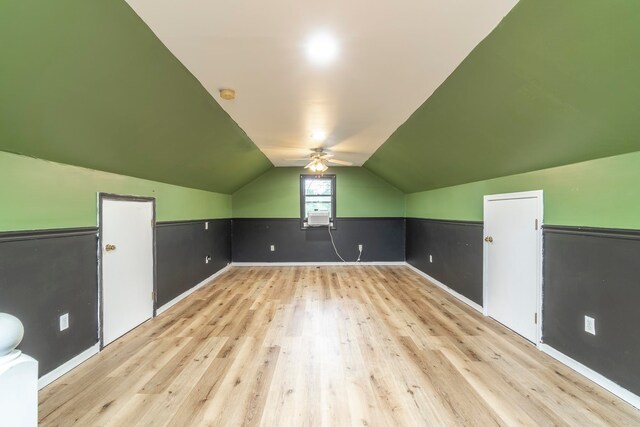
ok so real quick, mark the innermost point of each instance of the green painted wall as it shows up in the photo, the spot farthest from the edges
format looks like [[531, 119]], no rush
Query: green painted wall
[[276, 194], [37, 194], [555, 83], [87, 83], [597, 193]]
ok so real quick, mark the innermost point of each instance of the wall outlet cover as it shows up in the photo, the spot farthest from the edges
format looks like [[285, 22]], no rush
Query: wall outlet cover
[[430, 258], [273, 248], [590, 325], [360, 248], [64, 321], [206, 225]]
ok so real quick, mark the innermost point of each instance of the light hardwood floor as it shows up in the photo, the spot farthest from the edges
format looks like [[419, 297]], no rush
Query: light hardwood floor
[[330, 345]]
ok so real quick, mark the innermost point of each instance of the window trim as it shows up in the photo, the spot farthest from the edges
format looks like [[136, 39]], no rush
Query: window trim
[[303, 219]]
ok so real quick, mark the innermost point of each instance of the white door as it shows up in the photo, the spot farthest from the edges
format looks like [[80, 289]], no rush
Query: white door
[[512, 255], [127, 266]]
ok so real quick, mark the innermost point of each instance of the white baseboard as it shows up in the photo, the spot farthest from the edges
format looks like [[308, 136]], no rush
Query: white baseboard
[[185, 294], [300, 264], [607, 384], [47, 379], [439, 284]]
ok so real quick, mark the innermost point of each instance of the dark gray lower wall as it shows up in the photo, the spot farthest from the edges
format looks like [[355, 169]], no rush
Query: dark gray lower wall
[[587, 271], [181, 249], [43, 275], [383, 240], [594, 272], [456, 249]]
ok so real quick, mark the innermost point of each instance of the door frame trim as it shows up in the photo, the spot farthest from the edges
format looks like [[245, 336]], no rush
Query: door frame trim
[[535, 194], [110, 196]]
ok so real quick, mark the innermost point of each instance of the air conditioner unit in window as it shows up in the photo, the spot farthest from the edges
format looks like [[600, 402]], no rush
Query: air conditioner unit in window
[[318, 219]]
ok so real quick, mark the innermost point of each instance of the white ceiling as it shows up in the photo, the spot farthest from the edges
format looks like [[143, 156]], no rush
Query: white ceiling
[[392, 56]]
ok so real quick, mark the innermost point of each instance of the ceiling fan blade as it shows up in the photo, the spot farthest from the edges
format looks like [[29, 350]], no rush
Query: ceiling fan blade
[[340, 162], [297, 160]]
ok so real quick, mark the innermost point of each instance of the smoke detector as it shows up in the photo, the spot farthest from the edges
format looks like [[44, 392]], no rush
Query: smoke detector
[[227, 94]]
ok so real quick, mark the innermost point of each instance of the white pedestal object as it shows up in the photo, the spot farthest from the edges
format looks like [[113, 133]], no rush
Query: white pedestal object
[[18, 390], [18, 377], [11, 333]]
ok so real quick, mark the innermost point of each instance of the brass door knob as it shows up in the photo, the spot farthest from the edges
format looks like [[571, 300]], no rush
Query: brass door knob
[[110, 248], [488, 239]]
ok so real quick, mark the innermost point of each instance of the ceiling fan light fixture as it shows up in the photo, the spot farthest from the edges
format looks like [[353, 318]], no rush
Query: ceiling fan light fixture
[[321, 167], [317, 165]]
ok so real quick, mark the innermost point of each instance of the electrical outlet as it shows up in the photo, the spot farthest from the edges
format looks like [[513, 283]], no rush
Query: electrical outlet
[[206, 225], [430, 258], [64, 321], [360, 248], [590, 325], [273, 248], [207, 259]]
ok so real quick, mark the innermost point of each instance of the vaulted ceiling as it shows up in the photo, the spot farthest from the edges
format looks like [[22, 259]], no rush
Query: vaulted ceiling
[[390, 57], [556, 83], [89, 84]]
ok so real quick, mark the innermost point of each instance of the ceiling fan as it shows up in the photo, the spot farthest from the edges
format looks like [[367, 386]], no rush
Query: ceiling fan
[[319, 159]]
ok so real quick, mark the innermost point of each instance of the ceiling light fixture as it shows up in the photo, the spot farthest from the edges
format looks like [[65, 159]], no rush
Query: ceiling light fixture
[[318, 135], [322, 49], [317, 165]]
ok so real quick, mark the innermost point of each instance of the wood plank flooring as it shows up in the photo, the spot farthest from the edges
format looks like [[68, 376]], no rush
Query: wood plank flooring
[[330, 346]]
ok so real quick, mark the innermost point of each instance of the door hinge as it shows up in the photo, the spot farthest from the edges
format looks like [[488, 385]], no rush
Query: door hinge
[[536, 223], [153, 296], [535, 318]]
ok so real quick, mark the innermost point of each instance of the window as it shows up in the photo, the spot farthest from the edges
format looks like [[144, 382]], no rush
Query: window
[[317, 193]]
